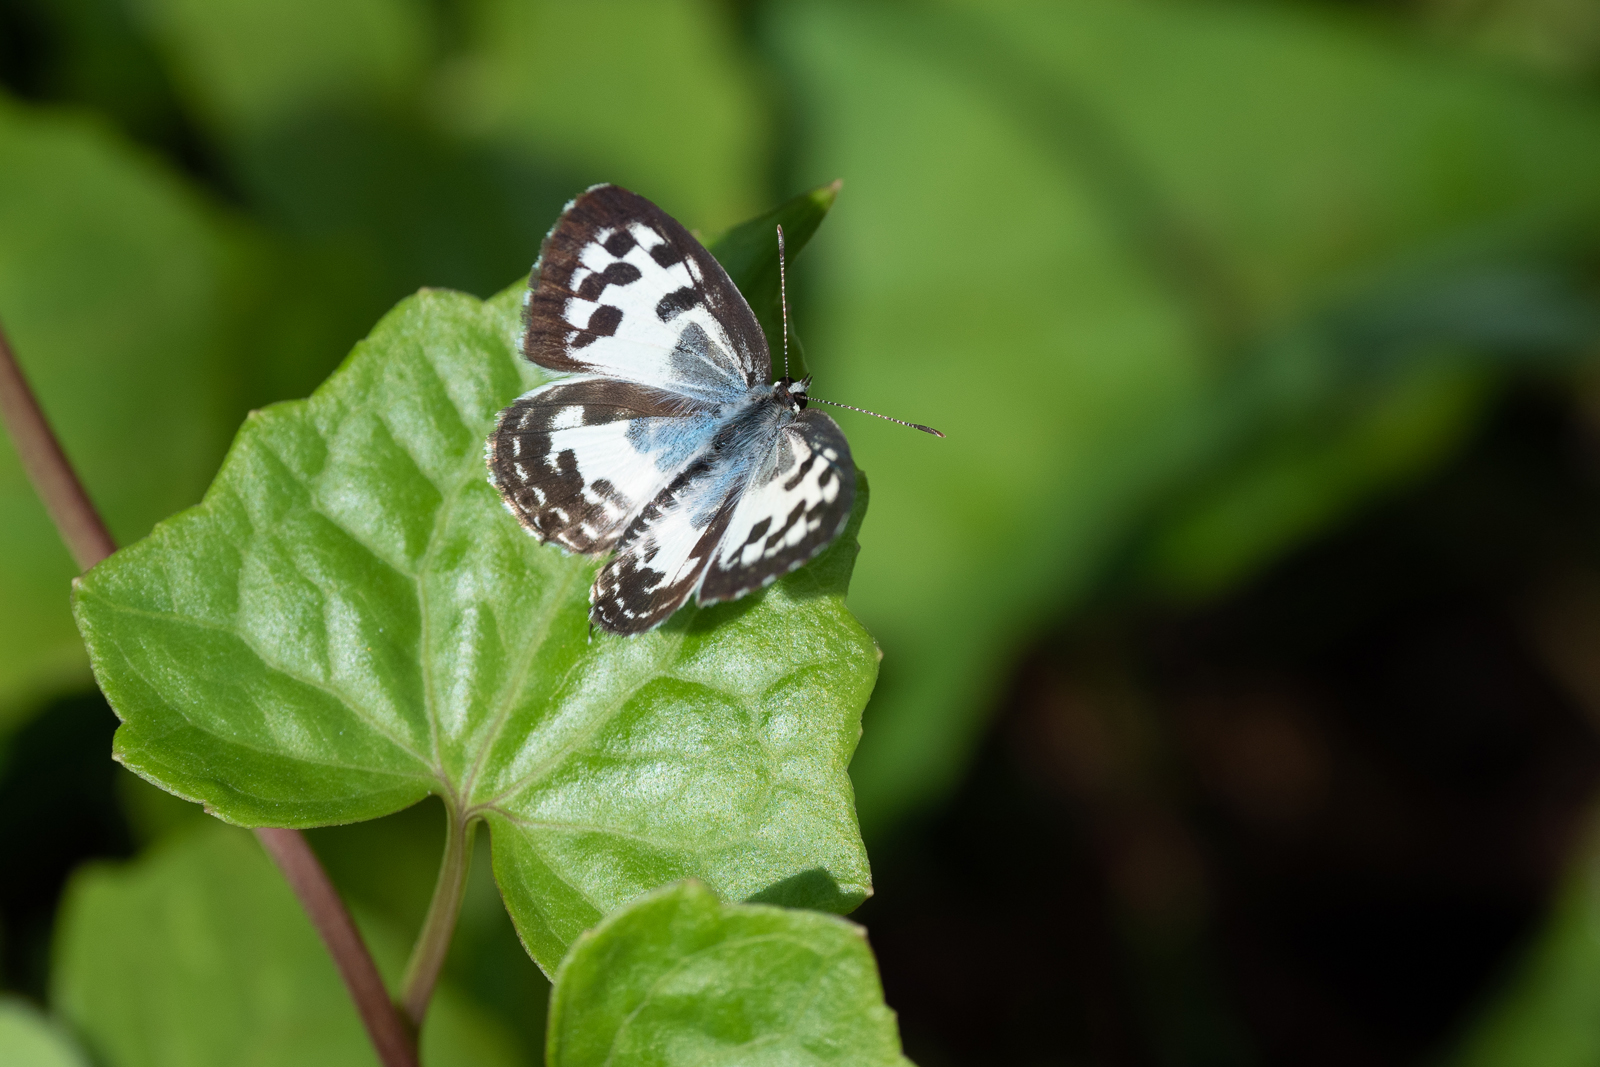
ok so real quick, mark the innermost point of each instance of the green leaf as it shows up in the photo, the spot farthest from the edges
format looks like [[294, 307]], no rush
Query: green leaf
[[678, 978], [749, 251], [1544, 1013], [252, 64], [117, 290], [352, 620], [28, 1039], [1290, 486], [680, 115], [1071, 238], [197, 954]]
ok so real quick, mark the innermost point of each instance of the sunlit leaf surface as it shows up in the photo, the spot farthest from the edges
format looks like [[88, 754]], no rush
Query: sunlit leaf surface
[[679, 979], [352, 621]]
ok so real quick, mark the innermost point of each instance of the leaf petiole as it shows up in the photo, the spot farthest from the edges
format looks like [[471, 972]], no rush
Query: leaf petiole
[[439, 926]]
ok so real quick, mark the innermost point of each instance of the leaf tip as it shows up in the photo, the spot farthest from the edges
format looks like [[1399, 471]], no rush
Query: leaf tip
[[824, 195]]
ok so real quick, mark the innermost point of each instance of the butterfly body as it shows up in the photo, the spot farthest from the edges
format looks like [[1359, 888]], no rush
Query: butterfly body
[[668, 446]]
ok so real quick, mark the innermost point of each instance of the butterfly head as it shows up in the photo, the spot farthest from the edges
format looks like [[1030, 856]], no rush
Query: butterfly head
[[792, 393]]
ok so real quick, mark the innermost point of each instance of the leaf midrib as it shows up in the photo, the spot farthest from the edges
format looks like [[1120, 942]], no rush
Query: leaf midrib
[[450, 499], [513, 693], [596, 721]]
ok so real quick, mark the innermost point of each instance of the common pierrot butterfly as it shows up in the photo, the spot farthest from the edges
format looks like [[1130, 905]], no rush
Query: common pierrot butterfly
[[669, 444]]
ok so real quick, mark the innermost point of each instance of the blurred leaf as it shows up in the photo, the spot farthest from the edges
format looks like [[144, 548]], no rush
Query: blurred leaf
[[1545, 1013], [28, 1039], [118, 290], [90, 53], [352, 620], [1302, 478], [1552, 37], [198, 954], [749, 251], [679, 978], [252, 64], [1151, 218], [315, 111], [670, 105], [388, 162]]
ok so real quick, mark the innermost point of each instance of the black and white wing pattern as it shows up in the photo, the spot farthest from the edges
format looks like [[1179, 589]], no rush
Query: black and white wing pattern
[[669, 445], [577, 459], [732, 524], [662, 557], [791, 507], [625, 291]]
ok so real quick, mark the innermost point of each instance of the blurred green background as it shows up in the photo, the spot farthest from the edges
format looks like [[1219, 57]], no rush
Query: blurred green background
[[1242, 639]]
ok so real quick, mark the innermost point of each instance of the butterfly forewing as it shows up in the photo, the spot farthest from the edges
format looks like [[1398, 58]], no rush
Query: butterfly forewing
[[625, 291], [791, 507]]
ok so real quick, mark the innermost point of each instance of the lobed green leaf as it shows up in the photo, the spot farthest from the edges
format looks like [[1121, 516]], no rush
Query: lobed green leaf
[[351, 621], [678, 979]]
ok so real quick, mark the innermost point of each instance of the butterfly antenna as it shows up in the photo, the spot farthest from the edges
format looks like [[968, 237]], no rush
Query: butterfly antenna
[[783, 297], [874, 414]]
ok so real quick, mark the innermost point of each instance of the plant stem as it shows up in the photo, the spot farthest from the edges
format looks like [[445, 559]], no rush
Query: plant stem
[[433, 942], [301, 869], [89, 542], [52, 476]]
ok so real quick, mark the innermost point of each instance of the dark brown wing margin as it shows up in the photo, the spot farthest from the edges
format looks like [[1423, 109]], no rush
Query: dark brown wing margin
[[548, 339]]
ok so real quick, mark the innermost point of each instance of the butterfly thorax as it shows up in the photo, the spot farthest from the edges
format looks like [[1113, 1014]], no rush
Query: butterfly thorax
[[791, 394]]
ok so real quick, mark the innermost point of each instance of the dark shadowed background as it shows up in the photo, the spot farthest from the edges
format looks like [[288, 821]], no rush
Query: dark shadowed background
[[1241, 641]]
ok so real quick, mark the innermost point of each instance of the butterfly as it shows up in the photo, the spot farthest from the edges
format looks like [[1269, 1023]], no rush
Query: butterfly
[[668, 445]]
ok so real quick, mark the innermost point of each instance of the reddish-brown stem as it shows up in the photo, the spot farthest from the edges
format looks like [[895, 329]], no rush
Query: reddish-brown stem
[[89, 542], [390, 1037], [52, 476]]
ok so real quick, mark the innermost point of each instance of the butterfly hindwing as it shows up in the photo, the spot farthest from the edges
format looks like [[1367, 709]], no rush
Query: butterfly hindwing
[[732, 522], [625, 291], [663, 555], [795, 501], [576, 460]]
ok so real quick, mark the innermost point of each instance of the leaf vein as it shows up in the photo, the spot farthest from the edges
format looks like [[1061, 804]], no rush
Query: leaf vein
[[311, 683]]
